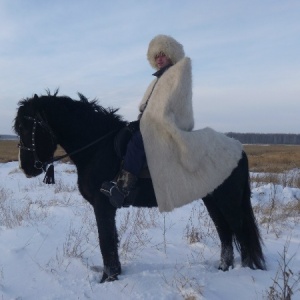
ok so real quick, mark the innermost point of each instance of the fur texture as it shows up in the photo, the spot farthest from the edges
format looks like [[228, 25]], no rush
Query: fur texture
[[185, 165], [166, 44]]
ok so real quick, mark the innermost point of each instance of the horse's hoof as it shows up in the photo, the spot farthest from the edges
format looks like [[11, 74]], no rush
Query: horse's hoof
[[106, 278], [225, 266], [110, 273]]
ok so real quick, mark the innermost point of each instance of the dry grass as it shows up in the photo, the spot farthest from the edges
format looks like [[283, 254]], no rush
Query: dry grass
[[273, 158], [9, 151], [286, 281]]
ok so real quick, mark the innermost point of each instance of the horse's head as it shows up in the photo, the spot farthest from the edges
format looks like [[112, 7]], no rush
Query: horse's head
[[37, 141]]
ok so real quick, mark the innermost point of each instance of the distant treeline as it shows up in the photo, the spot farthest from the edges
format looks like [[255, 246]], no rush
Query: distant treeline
[[266, 138], [5, 137]]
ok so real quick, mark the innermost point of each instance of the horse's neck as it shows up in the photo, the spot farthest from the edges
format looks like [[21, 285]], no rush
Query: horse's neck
[[71, 140], [75, 137]]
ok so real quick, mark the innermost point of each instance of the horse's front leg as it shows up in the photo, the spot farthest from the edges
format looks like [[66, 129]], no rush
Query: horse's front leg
[[108, 238]]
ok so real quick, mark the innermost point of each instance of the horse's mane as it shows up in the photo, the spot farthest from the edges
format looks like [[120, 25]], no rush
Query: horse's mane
[[82, 111]]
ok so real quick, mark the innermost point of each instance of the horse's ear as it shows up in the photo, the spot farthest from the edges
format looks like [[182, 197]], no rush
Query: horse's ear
[[35, 96]]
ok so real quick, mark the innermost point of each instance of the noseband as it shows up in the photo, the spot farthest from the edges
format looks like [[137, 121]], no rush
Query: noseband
[[38, 164]]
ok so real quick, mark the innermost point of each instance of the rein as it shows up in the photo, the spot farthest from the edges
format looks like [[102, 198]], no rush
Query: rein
[[49, 177], [57, 158]]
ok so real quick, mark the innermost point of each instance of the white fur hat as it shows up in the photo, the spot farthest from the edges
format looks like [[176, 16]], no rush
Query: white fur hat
[[166, 44]]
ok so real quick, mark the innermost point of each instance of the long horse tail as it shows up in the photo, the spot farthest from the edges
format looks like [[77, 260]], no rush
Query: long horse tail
[[250, 242]]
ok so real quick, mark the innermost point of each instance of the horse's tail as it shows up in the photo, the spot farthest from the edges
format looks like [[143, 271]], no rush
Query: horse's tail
[[250, 243]]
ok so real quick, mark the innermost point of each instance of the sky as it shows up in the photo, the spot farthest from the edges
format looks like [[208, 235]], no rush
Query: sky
[[245, 56]]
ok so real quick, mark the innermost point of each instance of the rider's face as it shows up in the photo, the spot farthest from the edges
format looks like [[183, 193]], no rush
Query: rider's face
[[162, 60]]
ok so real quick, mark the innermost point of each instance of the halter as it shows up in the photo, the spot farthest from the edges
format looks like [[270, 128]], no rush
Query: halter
[[38, 164]]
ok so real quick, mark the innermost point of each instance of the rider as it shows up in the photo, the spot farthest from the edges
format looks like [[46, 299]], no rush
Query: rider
[[163, 52]]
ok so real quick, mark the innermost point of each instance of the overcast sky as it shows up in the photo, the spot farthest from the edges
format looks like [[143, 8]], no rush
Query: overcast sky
[[245, 55]]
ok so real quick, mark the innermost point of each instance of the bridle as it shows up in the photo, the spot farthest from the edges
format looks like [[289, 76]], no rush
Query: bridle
[[38, 164]]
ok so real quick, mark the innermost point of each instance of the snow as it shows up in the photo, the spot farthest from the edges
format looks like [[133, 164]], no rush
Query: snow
[[49, 246]]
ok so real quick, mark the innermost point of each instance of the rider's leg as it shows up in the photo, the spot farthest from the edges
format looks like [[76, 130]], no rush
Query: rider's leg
[[134, 160]]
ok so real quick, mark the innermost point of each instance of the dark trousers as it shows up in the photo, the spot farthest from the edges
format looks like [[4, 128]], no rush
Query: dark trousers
[[135, 156]]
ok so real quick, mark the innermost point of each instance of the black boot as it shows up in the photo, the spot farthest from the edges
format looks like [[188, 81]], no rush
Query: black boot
[[118, 191]]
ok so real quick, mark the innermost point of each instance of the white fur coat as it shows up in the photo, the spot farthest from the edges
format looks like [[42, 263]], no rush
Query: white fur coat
[[184, 165]]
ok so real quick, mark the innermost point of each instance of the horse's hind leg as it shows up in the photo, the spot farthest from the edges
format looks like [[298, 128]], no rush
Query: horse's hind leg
[[108, 238], [224, 232], [233, 200]]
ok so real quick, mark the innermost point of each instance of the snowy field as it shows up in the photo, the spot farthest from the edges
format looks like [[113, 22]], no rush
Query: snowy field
[[49, 246]]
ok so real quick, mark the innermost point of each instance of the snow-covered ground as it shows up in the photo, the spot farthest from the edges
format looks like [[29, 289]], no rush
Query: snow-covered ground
[[49, 246]]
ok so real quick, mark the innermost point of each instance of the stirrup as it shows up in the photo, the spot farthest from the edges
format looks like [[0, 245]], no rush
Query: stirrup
[[118, 196], [115, 194], [106, 188]]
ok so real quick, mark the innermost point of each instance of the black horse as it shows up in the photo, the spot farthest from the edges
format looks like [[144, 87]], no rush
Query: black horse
[[44, 122]]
